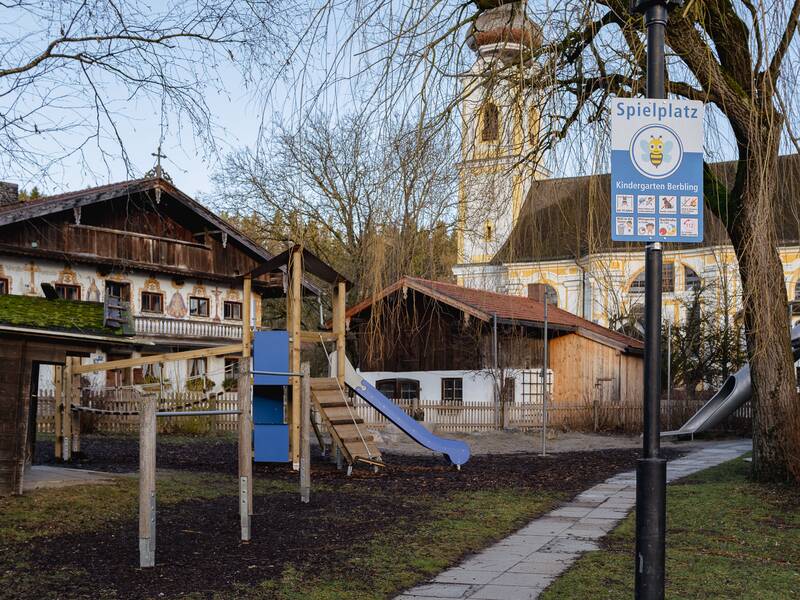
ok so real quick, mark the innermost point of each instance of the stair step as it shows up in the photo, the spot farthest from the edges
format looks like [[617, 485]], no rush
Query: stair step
[[324, 383]]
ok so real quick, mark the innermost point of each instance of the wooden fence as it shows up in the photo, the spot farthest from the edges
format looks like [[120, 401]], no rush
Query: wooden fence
[[586, 416], [128, 401]]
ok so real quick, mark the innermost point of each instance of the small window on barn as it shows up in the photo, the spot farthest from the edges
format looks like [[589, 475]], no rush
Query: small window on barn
[[691, 279], [490, 122], [5, 288], [198, 306], [68, 292], [232, 311], [398, 389], [152, 302], [119, 290], [452, 391]]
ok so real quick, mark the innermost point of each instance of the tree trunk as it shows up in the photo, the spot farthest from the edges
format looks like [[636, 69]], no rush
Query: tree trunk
[[754, 234]]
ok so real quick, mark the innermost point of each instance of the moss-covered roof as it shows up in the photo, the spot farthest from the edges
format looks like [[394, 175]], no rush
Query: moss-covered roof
[[59, 315]]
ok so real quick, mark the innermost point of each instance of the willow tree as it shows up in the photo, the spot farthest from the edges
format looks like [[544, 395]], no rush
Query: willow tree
[[735, 55]]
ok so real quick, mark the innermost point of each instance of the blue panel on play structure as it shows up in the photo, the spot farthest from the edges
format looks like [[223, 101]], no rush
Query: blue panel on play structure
[[271, 353], [268, 404], [271, 443]]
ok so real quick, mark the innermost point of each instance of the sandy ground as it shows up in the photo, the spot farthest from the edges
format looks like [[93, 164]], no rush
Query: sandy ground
[[508, 442]]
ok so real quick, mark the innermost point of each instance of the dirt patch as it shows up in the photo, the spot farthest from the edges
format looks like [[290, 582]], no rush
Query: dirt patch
[[198, 550]]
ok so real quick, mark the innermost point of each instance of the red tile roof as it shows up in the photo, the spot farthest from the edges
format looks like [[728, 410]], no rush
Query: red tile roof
[[485, 305]]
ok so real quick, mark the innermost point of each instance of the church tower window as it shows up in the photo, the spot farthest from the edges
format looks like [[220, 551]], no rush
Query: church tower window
[[490, 122], [488, 231]]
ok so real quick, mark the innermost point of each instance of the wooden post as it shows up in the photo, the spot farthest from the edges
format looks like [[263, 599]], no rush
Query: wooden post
[[296, 271], [58, 397], [247, 300], [66, 420], [245, 450], [305, 436], [147, 481], [339, 310], [76, 401]]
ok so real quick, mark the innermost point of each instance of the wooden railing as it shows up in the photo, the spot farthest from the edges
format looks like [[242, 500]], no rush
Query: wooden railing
[[128, 401], [185, 328]]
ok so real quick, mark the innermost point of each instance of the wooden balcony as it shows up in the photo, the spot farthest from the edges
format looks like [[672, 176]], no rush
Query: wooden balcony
[[150, 326]]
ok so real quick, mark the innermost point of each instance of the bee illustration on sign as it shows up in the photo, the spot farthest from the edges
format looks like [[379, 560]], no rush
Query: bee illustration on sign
[[656, 150]]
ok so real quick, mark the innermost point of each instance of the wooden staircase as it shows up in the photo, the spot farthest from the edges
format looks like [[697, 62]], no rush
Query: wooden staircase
[[345, 427]]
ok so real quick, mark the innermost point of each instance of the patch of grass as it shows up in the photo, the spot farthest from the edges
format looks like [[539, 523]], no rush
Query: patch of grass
[[50, 512], [404, 555], [727, 537]]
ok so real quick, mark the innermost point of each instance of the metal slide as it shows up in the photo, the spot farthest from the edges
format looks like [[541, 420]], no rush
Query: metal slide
[[733, 393], [456, 451]]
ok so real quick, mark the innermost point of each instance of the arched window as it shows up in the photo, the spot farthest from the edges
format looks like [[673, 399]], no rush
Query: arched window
[[490, 122], [667, 280], [691, 280]]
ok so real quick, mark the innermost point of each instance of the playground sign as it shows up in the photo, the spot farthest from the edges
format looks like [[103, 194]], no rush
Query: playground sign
[[656, 170]]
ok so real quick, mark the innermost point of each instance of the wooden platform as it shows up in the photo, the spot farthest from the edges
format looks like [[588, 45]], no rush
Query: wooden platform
[[345, 427]]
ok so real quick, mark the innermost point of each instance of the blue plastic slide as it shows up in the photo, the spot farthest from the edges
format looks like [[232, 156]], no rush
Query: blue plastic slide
[[456, 451]]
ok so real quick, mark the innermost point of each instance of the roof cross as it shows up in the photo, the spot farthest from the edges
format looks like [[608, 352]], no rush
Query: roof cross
[[158, 156]]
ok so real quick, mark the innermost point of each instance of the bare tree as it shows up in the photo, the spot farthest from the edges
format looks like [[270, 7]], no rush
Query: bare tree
[[72, 70], [740, 58], [372, 203]]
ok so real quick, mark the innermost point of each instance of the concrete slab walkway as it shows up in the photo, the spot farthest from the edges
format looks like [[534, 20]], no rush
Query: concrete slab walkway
[[43, 476], [522, 565]]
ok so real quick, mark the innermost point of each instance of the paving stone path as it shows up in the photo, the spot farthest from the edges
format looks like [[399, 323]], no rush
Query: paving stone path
[[522, 565]]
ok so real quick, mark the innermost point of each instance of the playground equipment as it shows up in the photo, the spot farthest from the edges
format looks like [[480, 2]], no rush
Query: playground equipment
[[734, 393], [455, 450], [275, 395]]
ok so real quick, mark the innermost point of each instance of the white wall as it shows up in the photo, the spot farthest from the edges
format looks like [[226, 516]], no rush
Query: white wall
[[478, 386], [26, 276]]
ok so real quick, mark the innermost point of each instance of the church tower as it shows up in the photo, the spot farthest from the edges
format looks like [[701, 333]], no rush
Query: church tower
[[500, 129]]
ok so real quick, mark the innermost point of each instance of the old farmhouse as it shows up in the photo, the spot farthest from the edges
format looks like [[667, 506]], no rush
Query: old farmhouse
[[117, 271], [453, 345]]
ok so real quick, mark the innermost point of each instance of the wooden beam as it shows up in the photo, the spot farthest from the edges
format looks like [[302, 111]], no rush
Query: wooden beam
[[296, 307], [75, 417], [305, 436], [247, 299], [58, 397], [66, 422], [318, 336], [147, 482], [245, 451], [157, 358], [340, 310]]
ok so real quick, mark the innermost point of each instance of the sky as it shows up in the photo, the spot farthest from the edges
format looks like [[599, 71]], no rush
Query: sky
[[243, 112]]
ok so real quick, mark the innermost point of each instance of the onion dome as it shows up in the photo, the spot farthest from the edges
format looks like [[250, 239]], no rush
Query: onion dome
[[504, 30]]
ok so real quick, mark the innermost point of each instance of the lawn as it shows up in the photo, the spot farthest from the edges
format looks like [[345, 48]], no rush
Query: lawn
[[365, 537], [727, 537]]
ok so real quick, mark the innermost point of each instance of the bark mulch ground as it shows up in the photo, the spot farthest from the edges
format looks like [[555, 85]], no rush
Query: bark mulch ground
[[198, 549]]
